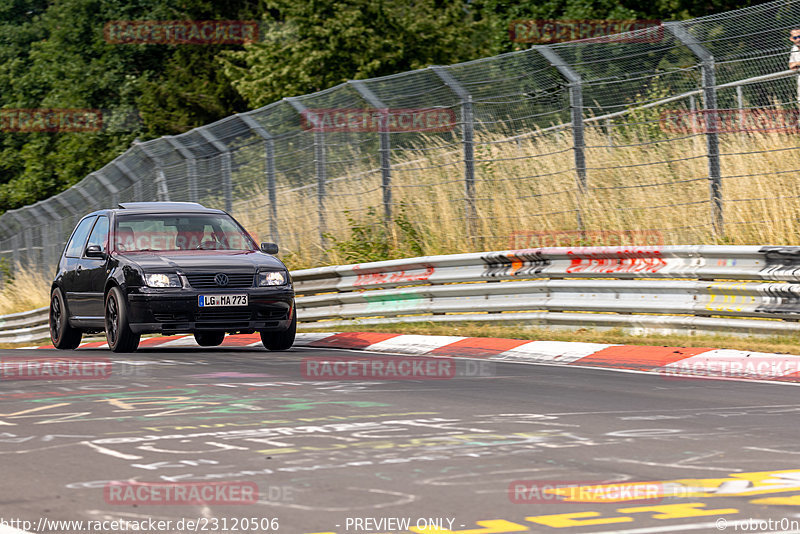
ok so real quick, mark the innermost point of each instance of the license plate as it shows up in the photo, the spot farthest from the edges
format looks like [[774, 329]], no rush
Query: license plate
[[207, 301]]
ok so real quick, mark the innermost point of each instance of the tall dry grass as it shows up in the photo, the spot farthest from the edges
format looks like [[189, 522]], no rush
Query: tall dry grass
[[636, 182], [27, 291]]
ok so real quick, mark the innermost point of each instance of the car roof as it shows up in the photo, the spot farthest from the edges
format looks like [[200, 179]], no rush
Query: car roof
[[171, 207]]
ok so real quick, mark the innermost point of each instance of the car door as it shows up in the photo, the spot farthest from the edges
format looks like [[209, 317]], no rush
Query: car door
[[94, 270], [71, 280]]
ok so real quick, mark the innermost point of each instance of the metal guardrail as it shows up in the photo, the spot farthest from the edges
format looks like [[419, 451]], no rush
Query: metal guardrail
[[747, 289], [24, 326]]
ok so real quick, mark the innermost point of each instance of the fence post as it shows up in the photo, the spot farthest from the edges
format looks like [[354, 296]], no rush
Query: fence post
[[574, 82], [134, 180], [740, 105], [191, 165], [56, 230], [16, 246], [8, 231], [91, 202], [710, 111], [25, 227], [72, 209], [269, 170], [111, 188], [36, 213], [222, 148], [385, 146], [468, 140], [162, 190], [320, 165]]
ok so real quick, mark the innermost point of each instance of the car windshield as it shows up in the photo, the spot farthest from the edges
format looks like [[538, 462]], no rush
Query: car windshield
[[166, 232]]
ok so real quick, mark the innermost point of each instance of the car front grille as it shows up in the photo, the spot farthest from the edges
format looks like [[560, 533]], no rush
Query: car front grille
[[206, 280]]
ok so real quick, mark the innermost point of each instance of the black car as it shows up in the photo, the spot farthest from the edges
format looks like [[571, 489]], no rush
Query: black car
[[169, 267]]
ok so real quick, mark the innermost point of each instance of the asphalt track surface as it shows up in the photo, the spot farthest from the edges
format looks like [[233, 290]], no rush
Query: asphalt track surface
[[478, 452]]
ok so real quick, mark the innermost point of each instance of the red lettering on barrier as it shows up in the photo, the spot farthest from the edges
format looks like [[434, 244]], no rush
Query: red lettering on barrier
[[391, 277], [620, 261]]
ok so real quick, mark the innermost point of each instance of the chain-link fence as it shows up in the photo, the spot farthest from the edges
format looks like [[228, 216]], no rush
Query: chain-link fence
[[678, 134]]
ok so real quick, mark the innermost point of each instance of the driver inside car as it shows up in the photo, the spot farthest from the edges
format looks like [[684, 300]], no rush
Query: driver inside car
[[190, 237]]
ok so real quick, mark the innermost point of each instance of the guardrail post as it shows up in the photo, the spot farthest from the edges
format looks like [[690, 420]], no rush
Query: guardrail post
[[574, 83], [191, 164], [711, 119], [385, 146], [320, 166], [227, 186], [162, 190], [269, 171], [468, 141]]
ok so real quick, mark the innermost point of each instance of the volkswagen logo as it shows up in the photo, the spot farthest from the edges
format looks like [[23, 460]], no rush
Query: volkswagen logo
[[221, 279]]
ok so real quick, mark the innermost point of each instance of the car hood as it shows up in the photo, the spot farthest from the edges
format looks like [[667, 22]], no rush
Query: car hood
[[204, 261]]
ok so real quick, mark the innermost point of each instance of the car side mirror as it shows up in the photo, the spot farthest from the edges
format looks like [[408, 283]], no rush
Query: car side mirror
[[269, 248], [95, 251]]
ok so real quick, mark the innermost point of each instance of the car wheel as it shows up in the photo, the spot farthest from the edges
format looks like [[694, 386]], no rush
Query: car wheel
[[281, 340], [209, 339], [118, 331], [61, 333]]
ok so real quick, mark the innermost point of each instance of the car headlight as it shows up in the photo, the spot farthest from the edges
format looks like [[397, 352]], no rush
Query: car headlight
[[162, 280], [271, 278]]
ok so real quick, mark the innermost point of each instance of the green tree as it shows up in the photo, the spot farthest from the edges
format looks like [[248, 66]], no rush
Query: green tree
[[313, 45]]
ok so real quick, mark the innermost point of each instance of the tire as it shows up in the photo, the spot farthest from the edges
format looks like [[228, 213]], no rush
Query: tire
[[64, 337], [281, 340], [209, 339], [118, 331]]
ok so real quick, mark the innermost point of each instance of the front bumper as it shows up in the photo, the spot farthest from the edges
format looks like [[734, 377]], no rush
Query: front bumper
[[173, 311]]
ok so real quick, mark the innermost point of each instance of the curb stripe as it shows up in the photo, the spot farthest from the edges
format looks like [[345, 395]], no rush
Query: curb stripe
[[478, 346], [636, 357], [564, 352], [156, 341], [94, 345], [241, 340], [353, 340], [413, 344]]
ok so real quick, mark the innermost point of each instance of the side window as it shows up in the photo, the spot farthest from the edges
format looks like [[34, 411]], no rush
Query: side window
[[79, 238], [99, 235]]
